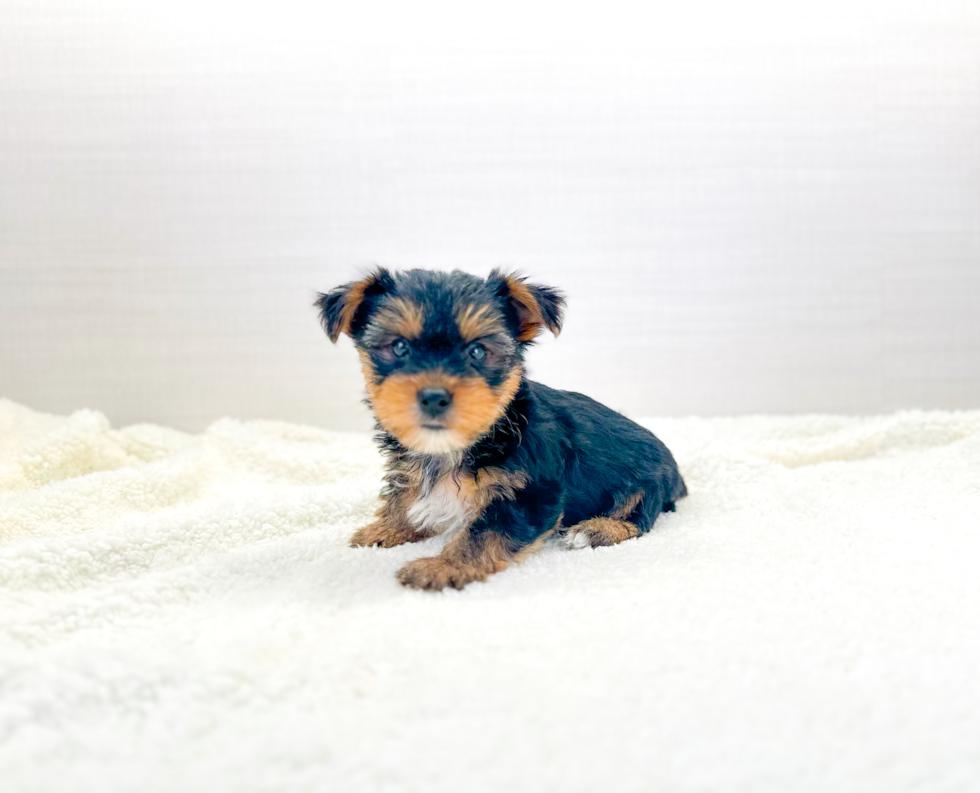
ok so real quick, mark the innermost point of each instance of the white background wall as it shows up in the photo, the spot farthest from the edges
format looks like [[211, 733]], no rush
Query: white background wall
[[753, 206]]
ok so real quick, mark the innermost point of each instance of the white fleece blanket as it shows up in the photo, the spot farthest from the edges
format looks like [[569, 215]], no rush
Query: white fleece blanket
[[182, 613]]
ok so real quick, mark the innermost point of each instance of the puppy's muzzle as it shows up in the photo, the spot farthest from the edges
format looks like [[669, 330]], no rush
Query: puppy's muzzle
[[434, 401]]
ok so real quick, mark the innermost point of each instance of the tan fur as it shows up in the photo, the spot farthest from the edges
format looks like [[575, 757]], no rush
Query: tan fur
[[392, 526], [528, 311], [367, 370], [602, 531], [387, 535], [467, 557], [538, 543], [353, 299], [495, 483], [626, 508], [457, 499], [490, 484], [402, 317], [475, 406], [476, 320], [395, 404]]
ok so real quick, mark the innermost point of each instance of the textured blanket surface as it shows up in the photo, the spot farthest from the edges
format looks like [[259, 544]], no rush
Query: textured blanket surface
[[182, 612]]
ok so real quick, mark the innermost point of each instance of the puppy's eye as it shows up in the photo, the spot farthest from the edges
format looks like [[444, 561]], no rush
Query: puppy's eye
[[400, 348], [478, 352]]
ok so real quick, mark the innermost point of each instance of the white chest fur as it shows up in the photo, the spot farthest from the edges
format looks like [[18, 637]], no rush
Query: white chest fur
[[447, 506]]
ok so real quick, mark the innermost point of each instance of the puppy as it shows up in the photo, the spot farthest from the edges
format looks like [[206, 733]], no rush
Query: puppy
[[475, 448]]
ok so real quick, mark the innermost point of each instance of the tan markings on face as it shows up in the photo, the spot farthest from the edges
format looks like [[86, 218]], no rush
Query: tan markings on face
[[395, 403], [370, 376], [401, 317], [476, 406], [626, 508], [476, 320], [528, 310]]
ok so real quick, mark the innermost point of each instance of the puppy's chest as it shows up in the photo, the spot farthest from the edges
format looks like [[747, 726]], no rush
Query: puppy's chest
[[448, 504]]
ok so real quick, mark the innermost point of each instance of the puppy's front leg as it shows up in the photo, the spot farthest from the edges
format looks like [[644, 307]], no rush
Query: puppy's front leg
[[503, 535], [392, 526]]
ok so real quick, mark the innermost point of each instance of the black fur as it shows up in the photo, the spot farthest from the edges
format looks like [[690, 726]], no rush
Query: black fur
[[331, 303], [439, 294], [551, 301], [581, 459]]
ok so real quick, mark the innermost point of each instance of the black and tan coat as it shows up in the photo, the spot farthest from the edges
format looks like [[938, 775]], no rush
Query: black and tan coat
[[473, 446]]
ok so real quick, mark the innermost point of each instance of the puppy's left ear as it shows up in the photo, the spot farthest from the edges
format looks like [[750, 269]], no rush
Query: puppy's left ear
[[339, 307], [535, 306]]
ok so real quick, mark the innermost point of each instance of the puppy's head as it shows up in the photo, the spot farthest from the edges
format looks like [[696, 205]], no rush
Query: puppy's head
[[441, 352]]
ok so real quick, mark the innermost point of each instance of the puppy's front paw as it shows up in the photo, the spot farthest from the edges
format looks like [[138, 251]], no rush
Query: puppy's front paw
[[384, 535], [436, 573]]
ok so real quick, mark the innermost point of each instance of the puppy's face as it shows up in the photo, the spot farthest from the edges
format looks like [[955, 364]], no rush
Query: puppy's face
[[441, 352]]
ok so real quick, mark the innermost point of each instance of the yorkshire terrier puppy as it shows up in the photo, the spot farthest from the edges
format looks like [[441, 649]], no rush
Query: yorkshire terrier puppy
[[474, 447]]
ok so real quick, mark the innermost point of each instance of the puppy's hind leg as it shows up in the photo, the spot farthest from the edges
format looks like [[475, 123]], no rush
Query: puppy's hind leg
[[633, 515], [595, 532]]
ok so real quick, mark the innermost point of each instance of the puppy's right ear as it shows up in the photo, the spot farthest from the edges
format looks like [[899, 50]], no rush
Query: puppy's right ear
[[339, 307]]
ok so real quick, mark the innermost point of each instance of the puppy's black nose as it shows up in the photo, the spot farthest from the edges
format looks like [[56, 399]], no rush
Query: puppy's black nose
[[434, 401]]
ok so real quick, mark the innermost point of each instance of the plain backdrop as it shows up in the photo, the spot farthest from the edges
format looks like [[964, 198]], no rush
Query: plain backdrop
[[753, 207]]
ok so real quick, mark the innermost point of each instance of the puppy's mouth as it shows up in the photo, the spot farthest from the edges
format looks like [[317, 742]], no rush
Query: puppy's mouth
[[435, 426]]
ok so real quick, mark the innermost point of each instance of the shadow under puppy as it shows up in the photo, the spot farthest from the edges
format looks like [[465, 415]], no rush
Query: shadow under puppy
[[473, 446]]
